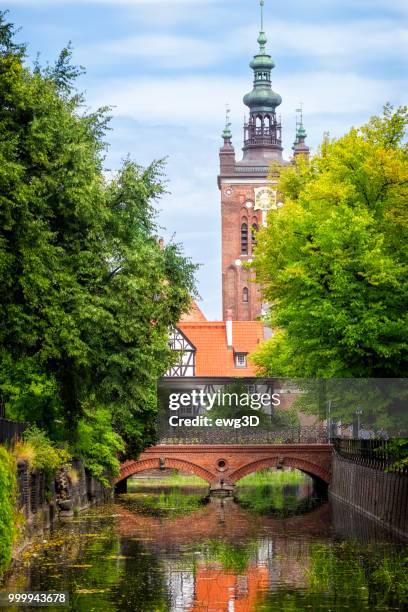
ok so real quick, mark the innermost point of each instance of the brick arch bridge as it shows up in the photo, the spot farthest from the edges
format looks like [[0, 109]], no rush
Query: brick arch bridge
[[226, 464]]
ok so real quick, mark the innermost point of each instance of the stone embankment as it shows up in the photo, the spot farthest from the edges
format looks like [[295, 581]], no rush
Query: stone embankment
[[43, 500]]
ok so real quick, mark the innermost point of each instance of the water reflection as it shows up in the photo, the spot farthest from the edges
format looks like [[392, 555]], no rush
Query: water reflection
[[279, 493], [220, 557]]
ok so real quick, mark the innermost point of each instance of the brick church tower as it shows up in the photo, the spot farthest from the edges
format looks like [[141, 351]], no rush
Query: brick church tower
[[246, 192]]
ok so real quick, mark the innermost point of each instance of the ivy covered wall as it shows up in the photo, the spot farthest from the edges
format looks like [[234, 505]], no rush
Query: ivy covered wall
[[8, 491]]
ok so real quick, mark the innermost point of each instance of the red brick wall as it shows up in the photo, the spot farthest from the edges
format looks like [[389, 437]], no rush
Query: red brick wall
[[235, 278]]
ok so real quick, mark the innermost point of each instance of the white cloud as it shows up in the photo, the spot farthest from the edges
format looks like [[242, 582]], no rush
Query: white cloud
[[332, 45], [358, 39], [158, 50], [199, 101]]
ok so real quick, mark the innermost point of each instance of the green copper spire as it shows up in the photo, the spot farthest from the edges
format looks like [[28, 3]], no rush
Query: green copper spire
[[263, 131], [300, 130], [299, 146], [227, 134], [262, 97]]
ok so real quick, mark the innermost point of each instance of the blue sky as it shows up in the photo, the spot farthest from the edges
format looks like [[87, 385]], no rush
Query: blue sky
[[170, 66]]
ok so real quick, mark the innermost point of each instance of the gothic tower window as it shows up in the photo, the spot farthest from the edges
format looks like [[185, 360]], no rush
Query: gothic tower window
[[254, 231], [244, 238], [245, 295]]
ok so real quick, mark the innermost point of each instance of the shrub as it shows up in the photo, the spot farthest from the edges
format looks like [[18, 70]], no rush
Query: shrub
[[39, 452]]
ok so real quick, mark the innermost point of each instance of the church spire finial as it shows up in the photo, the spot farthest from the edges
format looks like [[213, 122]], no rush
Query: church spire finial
[[227, 134], [262, 40]]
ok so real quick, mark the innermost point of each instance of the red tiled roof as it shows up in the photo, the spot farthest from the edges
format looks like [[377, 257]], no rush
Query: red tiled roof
[[246, 335], [213, 356], [194, 314]]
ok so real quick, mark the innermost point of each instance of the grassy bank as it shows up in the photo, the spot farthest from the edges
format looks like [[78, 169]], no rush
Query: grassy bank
[[269, 477], [167, 480]]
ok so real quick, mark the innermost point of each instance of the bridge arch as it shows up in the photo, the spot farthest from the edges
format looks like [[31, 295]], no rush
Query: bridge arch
[[309, 468], [134, 467]]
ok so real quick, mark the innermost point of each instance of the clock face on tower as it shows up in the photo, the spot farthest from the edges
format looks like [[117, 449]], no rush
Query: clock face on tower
[[265, 198]]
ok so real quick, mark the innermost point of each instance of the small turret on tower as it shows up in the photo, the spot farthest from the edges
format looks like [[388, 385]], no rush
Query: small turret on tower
[[227, 134], [299, 146], [227, 151]]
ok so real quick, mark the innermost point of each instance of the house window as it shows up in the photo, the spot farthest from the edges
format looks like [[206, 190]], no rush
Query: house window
[[240, 360], [245, 295], [244, 238]]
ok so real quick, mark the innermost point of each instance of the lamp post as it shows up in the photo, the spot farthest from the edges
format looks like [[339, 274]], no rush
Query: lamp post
[[359, 412], [328, 419]]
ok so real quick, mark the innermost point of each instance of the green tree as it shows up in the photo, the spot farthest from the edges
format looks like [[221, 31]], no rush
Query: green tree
[[334, 260], [87, 292]]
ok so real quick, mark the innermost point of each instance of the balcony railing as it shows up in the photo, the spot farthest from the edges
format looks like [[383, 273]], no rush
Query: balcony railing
[[262, 140]]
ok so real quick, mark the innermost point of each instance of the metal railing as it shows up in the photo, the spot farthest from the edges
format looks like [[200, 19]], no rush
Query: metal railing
[[376, 453], [10, 430], [203, 435]]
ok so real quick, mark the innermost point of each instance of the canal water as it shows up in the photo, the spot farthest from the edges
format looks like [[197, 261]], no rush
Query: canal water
[[171, 549]]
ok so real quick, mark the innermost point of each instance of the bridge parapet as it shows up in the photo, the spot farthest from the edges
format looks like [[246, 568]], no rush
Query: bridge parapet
[[316, 434]]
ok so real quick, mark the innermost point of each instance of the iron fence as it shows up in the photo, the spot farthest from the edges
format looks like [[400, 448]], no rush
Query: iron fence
[[374, 453], [10, 430], [227, 435]]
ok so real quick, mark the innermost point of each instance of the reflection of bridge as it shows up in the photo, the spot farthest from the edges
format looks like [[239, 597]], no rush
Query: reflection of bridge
[[223, 465], [219, 520]]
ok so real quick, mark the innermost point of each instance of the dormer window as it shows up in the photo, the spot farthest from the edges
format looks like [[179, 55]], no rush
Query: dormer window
[[240, 360]]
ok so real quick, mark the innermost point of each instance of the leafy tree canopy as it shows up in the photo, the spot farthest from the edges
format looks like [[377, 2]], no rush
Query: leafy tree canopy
[[87, 292], [334, 260]]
